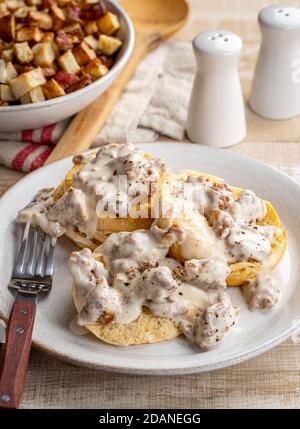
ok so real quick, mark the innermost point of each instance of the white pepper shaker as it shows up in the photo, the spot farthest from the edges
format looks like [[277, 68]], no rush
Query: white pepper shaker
[[275, 90], [216, 113]]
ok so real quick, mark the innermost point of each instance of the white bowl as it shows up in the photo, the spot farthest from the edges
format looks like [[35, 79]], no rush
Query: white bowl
[[27, 116]]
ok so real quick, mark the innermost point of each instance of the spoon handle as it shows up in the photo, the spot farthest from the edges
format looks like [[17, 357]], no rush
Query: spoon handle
[[86, 124]]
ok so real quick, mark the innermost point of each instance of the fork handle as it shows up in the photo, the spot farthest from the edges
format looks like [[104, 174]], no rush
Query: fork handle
[[16, 350]]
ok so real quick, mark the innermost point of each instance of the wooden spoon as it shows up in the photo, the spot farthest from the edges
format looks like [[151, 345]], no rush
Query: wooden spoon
[[154, 21]]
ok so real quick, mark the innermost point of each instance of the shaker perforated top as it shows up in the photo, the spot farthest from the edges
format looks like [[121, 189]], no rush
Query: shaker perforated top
[[280, 16], [218, 42]]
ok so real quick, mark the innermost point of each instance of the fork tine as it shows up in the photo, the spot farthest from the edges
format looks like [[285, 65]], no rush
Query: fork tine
[[50, 258], [40, 263], [32, 249], [21, 258]]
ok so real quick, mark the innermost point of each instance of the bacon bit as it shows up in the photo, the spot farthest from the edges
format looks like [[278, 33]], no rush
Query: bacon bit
[[63, 41], [74, 14], [93, 11], [106, 61], [48, 71], [83, 81], [65, 79]]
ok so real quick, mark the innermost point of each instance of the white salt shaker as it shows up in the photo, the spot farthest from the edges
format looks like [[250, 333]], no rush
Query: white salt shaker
[[275, 90], [216, 113]]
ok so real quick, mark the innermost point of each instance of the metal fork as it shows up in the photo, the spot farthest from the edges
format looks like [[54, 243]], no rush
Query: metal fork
[[32, 275]]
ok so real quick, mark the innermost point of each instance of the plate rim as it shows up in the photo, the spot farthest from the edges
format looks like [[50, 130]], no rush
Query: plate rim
[[192, 368]]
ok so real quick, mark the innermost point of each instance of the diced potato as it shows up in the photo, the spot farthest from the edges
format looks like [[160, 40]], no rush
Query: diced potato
[[11, 71], [74, 28], [91, 1], [7, 28], [58, 16], [7, 55], [22, 12], [68, 62], [83, 53], [26, 34], [109, 45], [95, 68], [42, 19], [48, 36], [36, 95], [3, 74], [14, 4], [90, 27], [26, 82], [44, 54], [92, 42], [52, 89], [109, 23], [5, 93], [23, 53]]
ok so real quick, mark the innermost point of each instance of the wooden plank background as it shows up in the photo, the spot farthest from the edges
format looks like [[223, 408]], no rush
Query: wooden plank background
[[270, 380]]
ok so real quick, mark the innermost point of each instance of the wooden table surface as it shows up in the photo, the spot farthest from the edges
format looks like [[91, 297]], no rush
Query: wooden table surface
[[270, 380]]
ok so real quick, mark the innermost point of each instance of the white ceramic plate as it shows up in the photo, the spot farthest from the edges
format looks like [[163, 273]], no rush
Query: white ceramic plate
[[255, 332]]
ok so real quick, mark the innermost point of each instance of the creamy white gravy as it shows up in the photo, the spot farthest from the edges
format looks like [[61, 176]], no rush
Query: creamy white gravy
[[137, 273], [90, 196], [135, 270]]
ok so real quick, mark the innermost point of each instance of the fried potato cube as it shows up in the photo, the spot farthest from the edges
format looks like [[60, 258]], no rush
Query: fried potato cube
[[26, 34], [37, 95], [42, 19], [48, 36], [2, 71], [22, 12], [23, 53], [68, 62], [52, 89], [5, 93], [92, 42], [58, 16], [109, 23], [11, 71], [7, 28], [14, 4], [83, 53], [95, 68], [44, 54], [7, 55], [25, 82], [74, 30], [109, 45], [90, 27]]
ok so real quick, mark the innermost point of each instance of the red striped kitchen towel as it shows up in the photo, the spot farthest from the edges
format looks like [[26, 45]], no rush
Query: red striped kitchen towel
[[27, 150]]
